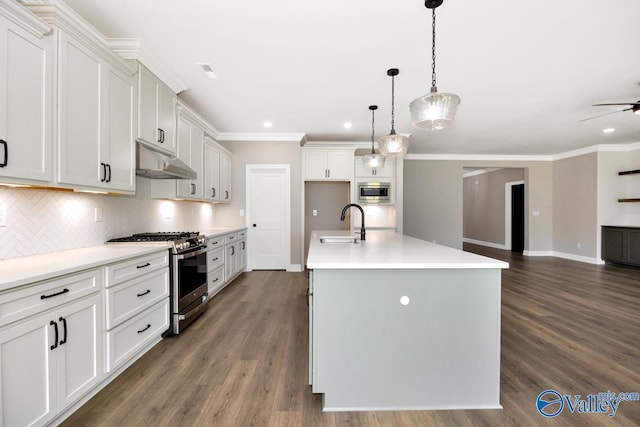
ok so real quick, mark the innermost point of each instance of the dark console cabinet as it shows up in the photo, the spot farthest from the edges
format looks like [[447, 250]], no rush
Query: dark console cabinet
[[621, 245]]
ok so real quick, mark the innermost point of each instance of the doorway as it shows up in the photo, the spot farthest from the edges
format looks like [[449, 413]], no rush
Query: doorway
[[517, 218], [268, 216]]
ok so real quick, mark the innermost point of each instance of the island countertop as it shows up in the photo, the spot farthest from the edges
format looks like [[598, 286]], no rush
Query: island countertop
[[389, 250]]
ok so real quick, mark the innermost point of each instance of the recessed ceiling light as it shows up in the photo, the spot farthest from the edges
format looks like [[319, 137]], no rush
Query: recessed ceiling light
[[267, 124], [206, 67], [609, 130], [347, 125]]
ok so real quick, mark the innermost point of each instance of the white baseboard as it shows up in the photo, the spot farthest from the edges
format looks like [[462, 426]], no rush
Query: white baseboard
[[580, 258], [294, 268], [537, 253], [483, 243]]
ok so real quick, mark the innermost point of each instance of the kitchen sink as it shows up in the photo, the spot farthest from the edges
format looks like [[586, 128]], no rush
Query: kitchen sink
[[338, 239]]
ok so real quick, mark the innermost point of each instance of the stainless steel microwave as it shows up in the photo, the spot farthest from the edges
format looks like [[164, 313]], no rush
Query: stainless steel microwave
[[374, 192]]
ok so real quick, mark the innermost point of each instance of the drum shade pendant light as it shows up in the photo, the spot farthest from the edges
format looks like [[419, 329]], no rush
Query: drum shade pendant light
[[393, 144], [373, 160], [434, 110]]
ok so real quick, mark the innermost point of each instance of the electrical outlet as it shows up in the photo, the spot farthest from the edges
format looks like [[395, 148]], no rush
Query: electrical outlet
[[3, 216], [314, 212], [579, 245], [241, 212], [97, 214]]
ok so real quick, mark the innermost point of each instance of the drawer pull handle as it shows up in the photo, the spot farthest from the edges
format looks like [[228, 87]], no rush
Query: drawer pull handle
[[214, 243], [64, 291], [55, 341], [215, 259], [215, 280], [148, 291], [64, 324], [144, 329], [143, 265]]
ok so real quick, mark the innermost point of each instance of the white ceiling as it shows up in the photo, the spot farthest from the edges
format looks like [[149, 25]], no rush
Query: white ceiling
[[526, 72]]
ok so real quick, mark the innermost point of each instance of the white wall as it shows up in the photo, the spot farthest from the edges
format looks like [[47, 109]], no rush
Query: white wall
[[41, 221]]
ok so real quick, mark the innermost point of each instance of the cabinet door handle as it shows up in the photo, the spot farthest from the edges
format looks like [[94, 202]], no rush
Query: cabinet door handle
[[148, 291], [213, 192], [55, 328], [144, 329], [233, 250], [244, 245], [109, 169], [143, 265], [6, 153], [193, 189], [103, 177], [226, 194], [64, 291], [64, 334], [160, 136]]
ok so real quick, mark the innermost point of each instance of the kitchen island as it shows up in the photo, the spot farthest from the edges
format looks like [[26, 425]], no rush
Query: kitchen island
[[397, 323]]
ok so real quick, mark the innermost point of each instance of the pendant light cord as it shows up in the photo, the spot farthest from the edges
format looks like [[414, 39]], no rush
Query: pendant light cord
[[433, 48], [393, 103], [373, 131]]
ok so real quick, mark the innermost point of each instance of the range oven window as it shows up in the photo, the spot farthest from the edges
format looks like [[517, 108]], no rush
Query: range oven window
[[192, 273]]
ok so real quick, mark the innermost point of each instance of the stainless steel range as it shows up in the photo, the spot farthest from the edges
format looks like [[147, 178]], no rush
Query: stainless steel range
[[188, 267]]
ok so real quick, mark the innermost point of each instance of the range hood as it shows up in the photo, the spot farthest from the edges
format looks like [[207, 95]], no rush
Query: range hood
[[155, 164]]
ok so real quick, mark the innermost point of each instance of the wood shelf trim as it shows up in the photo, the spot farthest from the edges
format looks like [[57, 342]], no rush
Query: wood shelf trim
[[632, 172], [628, 200]]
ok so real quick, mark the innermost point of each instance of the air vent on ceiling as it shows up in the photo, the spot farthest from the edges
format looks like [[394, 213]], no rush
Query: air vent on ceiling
[[206, 67]]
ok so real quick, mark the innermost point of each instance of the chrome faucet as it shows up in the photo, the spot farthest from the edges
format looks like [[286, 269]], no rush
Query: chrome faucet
[[344, 211]]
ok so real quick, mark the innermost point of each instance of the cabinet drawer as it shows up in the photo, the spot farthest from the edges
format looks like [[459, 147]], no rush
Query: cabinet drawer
[[215, 259], [127, 339], [242, 234], [136, 267], [231, 237], [215, 280], [215, 242], [132, 297], [26, 301]]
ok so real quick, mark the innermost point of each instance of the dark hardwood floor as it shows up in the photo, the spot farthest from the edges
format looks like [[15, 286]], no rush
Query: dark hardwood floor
[[568, 326]]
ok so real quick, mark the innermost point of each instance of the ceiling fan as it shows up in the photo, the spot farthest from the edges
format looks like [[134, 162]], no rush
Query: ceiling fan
[[633, 106]]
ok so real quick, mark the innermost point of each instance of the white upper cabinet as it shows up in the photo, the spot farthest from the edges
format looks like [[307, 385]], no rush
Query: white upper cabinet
[[225, 177], [95, 142], [387, 171], [156, 112], [26, 99], [190, 151], [328, 165], [211, 170]]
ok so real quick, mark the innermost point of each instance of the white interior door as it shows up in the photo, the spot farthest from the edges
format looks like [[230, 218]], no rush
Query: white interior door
[[268, 217]]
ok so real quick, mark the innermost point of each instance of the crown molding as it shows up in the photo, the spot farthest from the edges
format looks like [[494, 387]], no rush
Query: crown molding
[[338, 144], [480, 172], [134, 49], [59, 15], [529, 158], [190, 114], [481, 157], [24, 18], [260, 136]]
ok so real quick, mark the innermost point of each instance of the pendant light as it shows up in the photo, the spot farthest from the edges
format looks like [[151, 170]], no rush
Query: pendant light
[[434, 110], [393, 144], [373, 160]]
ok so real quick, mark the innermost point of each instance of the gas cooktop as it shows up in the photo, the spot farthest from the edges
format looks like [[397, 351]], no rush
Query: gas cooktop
[[183, 241]]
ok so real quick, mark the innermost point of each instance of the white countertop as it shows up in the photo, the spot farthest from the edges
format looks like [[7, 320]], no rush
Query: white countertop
[[25, 270], [218, 231], [389, 250]]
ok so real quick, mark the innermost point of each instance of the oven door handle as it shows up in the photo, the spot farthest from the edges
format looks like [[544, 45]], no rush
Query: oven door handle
[[192, 254]]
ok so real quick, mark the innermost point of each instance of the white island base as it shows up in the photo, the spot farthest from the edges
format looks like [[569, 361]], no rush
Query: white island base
[[393, 338]]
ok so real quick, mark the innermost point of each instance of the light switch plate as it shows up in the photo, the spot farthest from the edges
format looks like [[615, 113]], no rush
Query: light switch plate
[[3, 216], [97, 214]]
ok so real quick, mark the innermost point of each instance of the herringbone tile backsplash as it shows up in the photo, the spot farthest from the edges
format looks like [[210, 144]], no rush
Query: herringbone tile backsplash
[[41, 221]]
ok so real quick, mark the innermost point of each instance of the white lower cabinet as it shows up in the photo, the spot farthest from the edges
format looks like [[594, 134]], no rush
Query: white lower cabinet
[[49, 361], [137, 305], [126, 340]]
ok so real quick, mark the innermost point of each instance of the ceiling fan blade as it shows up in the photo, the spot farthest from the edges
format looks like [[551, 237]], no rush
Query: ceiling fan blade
[[621, 103], [606, 114]]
